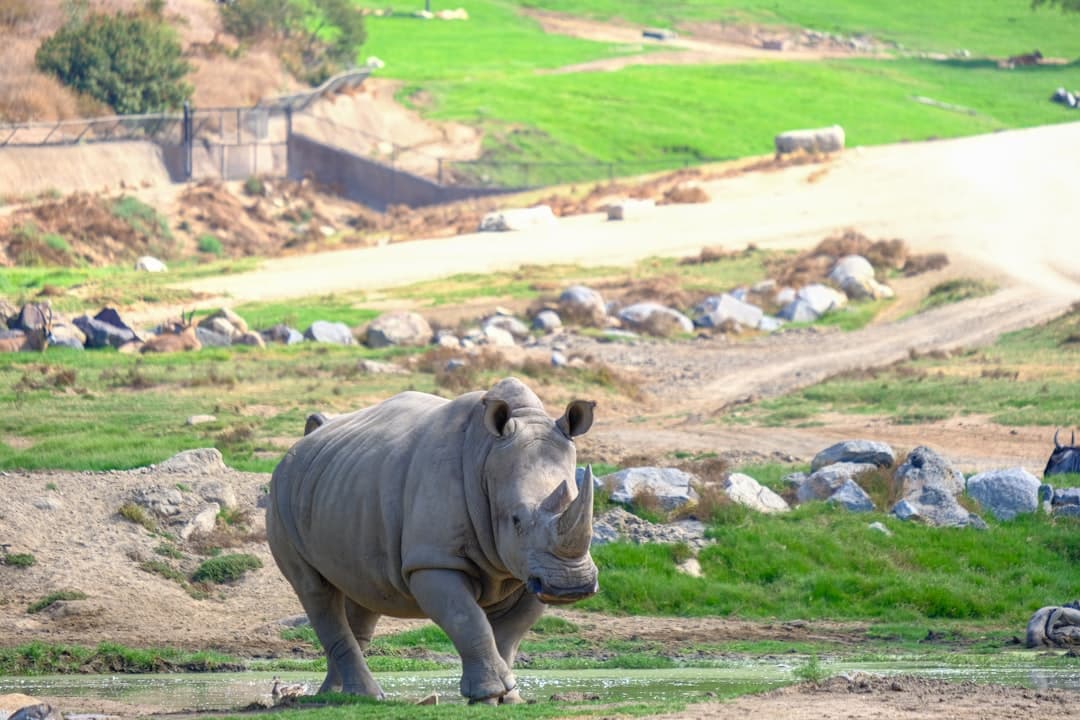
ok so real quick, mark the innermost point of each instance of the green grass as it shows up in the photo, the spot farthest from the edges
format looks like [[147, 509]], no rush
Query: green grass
[[1029, 377], [136, 514], [43, 659], [19, 560], [43, 603], [953, 291], [995, 27], [819, 562], [225, 568]]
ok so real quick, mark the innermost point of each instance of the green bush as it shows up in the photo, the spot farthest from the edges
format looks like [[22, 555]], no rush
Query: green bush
[[210, 245], [226, 568], [39, 605], [22, 560], [254, 186], [57, 243], [130, 61], [133, 513]]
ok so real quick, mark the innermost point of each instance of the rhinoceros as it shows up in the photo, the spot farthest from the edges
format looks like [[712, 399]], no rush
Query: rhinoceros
[[464, 511]]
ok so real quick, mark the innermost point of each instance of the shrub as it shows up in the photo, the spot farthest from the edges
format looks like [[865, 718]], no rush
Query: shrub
[[226, 568], [141, 217], [168, 550], [254, 186], [57, 243], [210, 245], [132, 62], [133, 513], [21, 560], [39, 605]]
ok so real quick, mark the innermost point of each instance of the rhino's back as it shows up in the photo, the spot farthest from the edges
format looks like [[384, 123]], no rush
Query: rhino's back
[[341, 495]]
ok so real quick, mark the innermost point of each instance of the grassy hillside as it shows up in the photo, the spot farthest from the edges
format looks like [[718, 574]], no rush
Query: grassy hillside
[[484, 72], [983, 27]]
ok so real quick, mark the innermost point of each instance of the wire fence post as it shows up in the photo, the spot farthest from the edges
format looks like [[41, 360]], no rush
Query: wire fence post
[[188, 142], [440, 176]]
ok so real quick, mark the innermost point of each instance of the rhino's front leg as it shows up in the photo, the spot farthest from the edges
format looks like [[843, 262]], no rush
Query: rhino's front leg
[[510, 622], [447, 597]]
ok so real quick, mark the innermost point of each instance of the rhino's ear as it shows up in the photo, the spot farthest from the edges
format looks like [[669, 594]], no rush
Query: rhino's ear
[[496, 415], [577, 419]]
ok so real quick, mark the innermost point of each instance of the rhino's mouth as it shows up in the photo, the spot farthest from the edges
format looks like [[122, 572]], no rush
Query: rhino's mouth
[[552, 595]]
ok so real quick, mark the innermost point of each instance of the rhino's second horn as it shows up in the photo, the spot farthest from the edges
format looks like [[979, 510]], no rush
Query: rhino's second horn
[[574, 527]]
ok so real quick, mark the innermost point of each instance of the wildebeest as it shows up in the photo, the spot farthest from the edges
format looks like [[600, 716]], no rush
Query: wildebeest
[[1064, 459], [1031, 58]]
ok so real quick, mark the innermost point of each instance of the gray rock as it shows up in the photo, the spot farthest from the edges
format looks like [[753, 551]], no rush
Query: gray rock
[[795, 479], [399, 329], [283, 334], [937, 507], [454, 364], [761, 287], [747, 491], [335, 333], [149, 263], [821, 298], [221, 326], [209, 338], [162, 501], [375, 367], [518, 219], [769, 324], [619, 525], [494, 335], [203, 522], [199, 460], [1066, 496], [878, 526], [855, 451], [251, 339], [547, 320], [581, 304], [640, 316], [717, 310], [67, 341], [66, 335], [851, 267], [217, 491], [822, 483], [817, 140], [200, 419], [798, 310], [100, 334], [925, 468], [784, 296], [670, 486], [1005, 493], [509, 323], [47, 503], [852, 497], [558, 359], [40, 711]]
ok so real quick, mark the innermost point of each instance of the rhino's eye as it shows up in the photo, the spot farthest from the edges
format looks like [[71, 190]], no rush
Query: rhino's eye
[[516, 520]]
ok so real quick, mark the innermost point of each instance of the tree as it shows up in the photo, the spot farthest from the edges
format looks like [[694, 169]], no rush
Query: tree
[[130, 61]]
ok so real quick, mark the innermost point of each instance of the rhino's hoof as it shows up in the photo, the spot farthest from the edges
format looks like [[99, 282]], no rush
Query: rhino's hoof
[[484, 701], [513, 697]]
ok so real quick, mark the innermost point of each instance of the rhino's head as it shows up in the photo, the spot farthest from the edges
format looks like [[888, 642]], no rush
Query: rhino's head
[[541, 521]]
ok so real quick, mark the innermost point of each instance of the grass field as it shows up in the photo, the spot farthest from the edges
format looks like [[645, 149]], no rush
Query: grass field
[[644, 118]]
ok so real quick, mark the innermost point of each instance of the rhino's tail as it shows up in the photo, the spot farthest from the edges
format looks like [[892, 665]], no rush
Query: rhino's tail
[[314, 422]]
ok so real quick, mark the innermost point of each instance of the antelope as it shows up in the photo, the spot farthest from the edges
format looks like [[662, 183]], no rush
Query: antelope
[[180, 336], [34, 340], [1065, 458]]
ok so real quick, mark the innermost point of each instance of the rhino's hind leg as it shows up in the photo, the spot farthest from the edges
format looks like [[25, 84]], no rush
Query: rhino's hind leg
[[509, 623]]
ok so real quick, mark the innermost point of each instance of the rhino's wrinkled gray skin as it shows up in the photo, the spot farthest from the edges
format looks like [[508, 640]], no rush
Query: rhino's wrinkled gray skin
[[464, 511]]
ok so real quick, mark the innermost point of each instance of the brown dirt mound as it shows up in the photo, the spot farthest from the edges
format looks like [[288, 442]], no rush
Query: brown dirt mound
[[814, 265]]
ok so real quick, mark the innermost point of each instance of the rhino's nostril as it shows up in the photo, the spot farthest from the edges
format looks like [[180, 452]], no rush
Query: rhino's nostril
[[534, 585]]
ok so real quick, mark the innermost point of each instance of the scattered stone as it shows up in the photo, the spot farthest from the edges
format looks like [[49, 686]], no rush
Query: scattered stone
[[855, 451], [715, 311], [547, 320], [878, 526], [798, 310], [200, 419], [770, 324], [583, 305], [284, 334], [825, 481], [148, 263], [220, 325], [335, 333], [925, 468], [659, 34], [509, 323], [558, 359], [936, 506], [518, 219], [197, 461], [235, 321], [447, 339], [784, 296], [671, 487], [852, 497], [494, 335], [1005, 493], [819, 140], [102, 334], [251, 339], [654, 318], [690, 567], [210, 338], [811, 302], [165, 502], [203, 522], [217, 491], [617, 524], [47, 503], [747, 491], [398, 329]]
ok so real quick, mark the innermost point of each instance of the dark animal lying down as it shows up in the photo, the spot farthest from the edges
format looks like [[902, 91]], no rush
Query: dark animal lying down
[[1064, 459]]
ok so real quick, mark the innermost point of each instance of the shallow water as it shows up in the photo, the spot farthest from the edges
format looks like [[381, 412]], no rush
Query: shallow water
[[213, 691]]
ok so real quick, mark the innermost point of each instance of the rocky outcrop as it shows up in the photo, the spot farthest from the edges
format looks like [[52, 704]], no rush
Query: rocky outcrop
[[1005, 493]]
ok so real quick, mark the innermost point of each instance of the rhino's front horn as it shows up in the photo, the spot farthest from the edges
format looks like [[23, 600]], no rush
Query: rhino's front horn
[[574, 529]]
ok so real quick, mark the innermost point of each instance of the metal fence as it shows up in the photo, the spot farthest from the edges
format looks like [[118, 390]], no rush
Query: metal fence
[[155, 128], [533, 174]]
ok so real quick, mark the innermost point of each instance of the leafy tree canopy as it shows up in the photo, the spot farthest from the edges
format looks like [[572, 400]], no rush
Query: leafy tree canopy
[[130, 61]]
